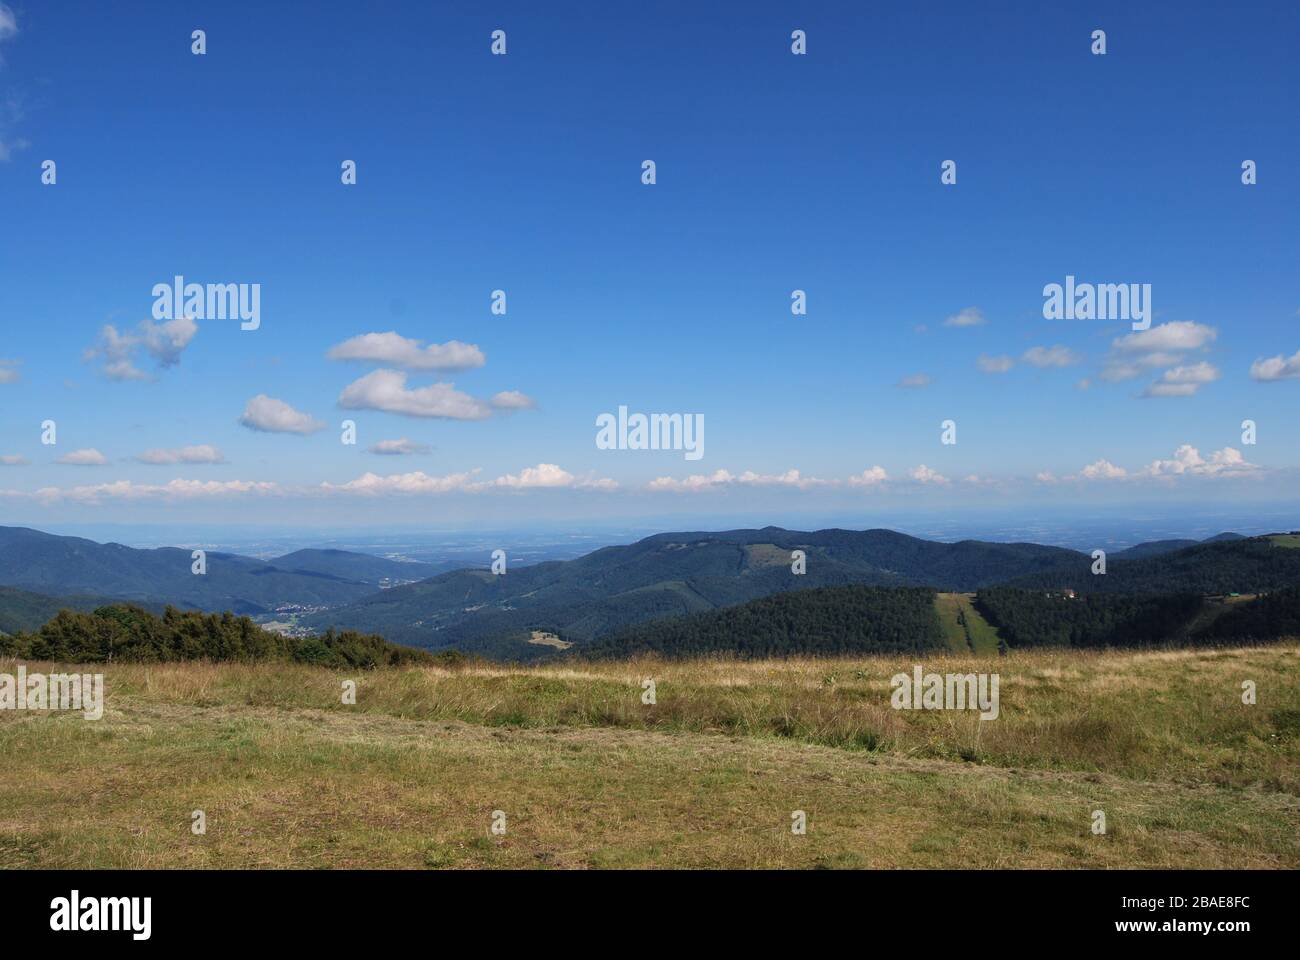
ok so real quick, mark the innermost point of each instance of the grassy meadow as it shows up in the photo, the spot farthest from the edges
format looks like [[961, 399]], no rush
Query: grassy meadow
[[588, 775]]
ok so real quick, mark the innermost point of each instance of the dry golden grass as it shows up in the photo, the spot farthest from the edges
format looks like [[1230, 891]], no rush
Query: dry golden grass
[[588, 775]]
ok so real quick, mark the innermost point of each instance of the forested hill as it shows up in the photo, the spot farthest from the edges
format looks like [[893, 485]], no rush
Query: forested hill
[[1249, 565], [827, 621], [670, 574], [1034, 618]]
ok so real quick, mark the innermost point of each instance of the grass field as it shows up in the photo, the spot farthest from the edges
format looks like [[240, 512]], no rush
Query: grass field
[[1291, 540], [589, 776], [964, 628]]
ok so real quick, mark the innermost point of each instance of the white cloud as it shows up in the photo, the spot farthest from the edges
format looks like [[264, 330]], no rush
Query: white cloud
[[1054, 356], [1046, 476], [175, 490], [915, 381], [397, 351], [12, 460], [89, 457], [269, 415], [970, 317], [1188, 460], [1166, 345], [399, 447], [721, 479], [1102, 470], [1264, 370], [716, 479], [386, 390], [548, 475], [164, 342], [1167, 337], [1183, 381], [923, 474], [9, 371], [999, 364], [871, 477], [202, 453], [542, 476], [512, 400], [416, 482], [8, 23]]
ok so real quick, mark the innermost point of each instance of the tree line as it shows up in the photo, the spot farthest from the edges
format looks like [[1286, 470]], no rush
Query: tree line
[[130, 634], [826, 621]]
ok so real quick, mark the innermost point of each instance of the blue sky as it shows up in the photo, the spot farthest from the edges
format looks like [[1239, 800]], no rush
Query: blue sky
[[522, 172]]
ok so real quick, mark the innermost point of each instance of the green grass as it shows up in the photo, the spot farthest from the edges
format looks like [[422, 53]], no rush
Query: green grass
[[589, 776], [964, 628], [1289, 540]]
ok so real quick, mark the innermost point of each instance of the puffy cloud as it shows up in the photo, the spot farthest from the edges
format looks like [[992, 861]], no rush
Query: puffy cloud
[[9, 371], [1177, 337], [999, 364], [202, 453], [1183, 381], [268, 415], [721, 479], [416, 482], [914, 381], [12, 460], [164, 342], [397, 351], [542, 476], [8, 22], [1054, 356], [716, 479], [970, 317], [89, 457], [871, 477], [546, 475], [399, 447], [923, 474], [512, 400], [1102, 470], [386, 390], [1166, 345], [1263, 370], [1188, 460]]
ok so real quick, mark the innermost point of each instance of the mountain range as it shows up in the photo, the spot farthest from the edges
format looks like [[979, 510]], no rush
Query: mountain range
[[57, 566], [600, 594]]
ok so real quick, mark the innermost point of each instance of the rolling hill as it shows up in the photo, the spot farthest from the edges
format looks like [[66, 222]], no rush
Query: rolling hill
[[1246, 565], [66, 566], [21, 610], [666, 575], [827, 621], [347, 565]]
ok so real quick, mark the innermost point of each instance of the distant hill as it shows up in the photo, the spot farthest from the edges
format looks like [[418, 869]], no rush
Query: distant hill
[[1244, 565], [828, 621], [21, 610], [361, 567], [65, 566], [670, 574], [1153, 548]]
